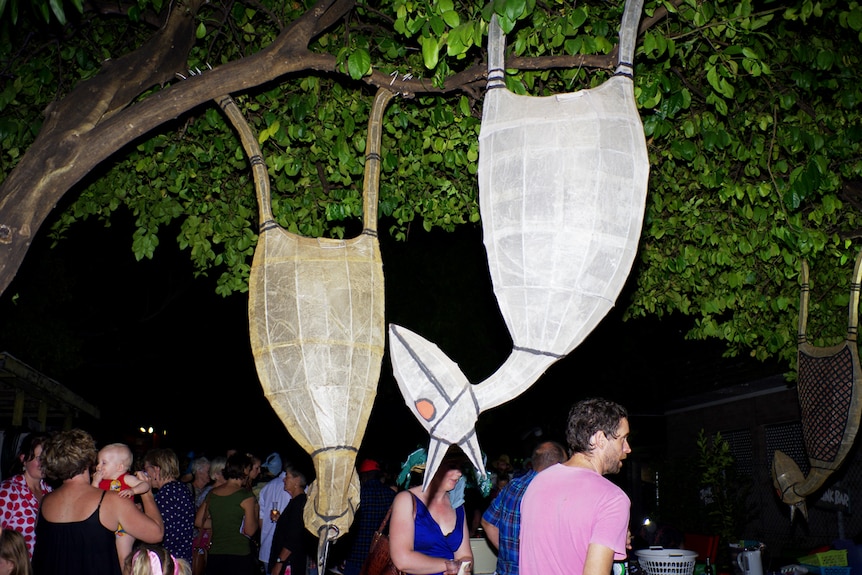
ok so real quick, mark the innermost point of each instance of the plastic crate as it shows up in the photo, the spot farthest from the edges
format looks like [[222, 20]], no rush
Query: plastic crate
[[827, 569], [669, 561], [833, 558]]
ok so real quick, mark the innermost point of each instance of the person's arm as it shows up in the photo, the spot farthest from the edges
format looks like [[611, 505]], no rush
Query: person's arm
[[137, 485], [147, 526], [401, 529], [465, 551], [492, 533], [491, 520], [600, 560], [251, 524], [264, 496], [202, 516], [280, 552], [280, 560]]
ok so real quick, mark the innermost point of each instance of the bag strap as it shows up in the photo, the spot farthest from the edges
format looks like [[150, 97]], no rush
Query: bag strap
[[385, 519], [389, 513]]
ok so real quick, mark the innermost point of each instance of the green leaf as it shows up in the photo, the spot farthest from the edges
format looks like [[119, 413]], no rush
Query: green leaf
[[445, 6], [506, 24], [713, 78], [577, 17], [430, 52], [510, 10], [454, 44], [57, 9], [825, 59], [438, 26], [200, 31], [685, 150], [451, 18], [359, 64]]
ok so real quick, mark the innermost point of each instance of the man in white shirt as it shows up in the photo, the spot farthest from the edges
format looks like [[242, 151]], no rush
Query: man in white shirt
[[273, 499]]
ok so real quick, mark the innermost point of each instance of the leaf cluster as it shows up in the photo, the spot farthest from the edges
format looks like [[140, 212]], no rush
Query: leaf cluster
[[751, 110], [752, 115], [46, 10]]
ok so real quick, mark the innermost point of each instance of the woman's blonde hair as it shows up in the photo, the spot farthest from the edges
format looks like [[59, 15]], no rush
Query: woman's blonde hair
[[14, 549], [217, 466], [166, 460], [155, 560]]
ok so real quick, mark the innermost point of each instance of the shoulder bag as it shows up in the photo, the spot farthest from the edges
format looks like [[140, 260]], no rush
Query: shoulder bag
[[378, 561], [201, 545]]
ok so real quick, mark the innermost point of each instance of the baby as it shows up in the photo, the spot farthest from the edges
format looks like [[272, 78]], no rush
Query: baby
[[112, 474]]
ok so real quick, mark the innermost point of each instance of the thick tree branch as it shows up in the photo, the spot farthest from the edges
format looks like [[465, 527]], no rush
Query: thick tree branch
[[95, 120], [98, 117]]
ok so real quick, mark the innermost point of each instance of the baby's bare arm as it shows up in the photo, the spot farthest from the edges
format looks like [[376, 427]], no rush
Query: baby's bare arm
[[137, 485]]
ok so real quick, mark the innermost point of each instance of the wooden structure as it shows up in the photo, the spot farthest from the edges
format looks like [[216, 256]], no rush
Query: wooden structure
[[28, 396]]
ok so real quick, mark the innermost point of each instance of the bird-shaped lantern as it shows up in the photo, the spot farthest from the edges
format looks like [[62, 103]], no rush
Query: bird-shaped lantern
[[562, 190]]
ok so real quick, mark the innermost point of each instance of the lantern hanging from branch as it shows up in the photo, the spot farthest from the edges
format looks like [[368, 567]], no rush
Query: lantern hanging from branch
[[828, 383], [562, 184], [317, 331]]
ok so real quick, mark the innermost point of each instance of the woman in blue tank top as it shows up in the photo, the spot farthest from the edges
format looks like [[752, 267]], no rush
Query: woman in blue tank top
[[427, 536]]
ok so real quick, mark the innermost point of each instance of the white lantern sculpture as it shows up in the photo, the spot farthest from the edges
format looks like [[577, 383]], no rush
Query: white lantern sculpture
[[562, 183]]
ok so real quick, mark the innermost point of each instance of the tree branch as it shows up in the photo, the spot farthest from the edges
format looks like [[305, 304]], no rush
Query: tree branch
[[96, 119]]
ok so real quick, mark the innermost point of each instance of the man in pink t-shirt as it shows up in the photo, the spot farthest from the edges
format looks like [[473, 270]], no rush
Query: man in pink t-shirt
[[573, 520]]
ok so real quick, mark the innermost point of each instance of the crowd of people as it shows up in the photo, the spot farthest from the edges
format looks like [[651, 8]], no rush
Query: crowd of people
[[73, 507]]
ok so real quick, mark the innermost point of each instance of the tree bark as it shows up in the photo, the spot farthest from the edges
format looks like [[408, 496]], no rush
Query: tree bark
[[95, 119]]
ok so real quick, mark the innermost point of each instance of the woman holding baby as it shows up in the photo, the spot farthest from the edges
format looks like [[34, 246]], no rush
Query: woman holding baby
[[77, 521]]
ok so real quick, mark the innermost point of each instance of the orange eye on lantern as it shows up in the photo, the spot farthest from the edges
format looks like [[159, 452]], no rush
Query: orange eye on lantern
[[426, 409]]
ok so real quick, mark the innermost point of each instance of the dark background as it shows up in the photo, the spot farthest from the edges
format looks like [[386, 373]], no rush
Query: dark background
[[152, 345]]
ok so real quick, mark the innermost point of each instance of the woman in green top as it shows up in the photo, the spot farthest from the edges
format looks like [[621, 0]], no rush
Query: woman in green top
[[231, 511]]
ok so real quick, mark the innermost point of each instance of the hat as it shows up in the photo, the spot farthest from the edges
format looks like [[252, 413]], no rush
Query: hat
[[368, 465], [273, 463], [415, 462]]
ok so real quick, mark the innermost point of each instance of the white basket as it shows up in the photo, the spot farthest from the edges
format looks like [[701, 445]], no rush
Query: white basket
[[667, 561]]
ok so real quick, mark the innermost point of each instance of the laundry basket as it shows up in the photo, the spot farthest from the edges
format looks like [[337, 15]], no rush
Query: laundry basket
[[658, 561]]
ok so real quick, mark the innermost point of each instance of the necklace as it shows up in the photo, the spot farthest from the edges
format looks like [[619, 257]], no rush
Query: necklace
[[581, 460]]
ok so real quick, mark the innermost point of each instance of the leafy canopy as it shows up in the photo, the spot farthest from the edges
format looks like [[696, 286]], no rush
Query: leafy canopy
[[751, 110]]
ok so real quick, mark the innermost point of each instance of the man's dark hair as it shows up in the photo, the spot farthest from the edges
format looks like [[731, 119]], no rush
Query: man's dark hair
[[237, 466], [547, 454], [590, 416]]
